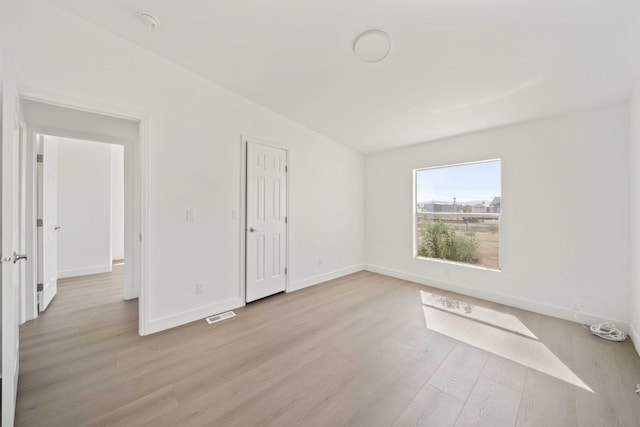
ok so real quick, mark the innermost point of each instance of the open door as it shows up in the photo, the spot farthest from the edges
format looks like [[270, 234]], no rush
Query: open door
[[10, 244], [266, 234], [47, 221]]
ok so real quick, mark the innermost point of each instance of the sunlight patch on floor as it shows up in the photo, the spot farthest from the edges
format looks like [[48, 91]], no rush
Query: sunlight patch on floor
[[474, 312], [497, 340]]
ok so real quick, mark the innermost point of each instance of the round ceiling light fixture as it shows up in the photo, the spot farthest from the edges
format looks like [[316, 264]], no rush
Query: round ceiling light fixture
[[372, 46], [148, 19]]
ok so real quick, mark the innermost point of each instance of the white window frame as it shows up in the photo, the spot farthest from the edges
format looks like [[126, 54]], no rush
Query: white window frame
[[416, 214]]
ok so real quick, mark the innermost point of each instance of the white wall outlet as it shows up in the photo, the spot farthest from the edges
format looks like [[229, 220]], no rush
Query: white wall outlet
[[199, 288], [190, 215], [320, 262]]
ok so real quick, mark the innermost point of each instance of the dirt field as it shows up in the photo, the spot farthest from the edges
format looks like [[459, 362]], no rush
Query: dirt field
[[486, 231]]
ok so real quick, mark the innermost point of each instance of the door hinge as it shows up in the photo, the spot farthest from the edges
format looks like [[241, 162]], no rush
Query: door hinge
[[285, 270], [286, 168], [39, 222], [286, 220], [40, 287], [39, 158], [141, 237]]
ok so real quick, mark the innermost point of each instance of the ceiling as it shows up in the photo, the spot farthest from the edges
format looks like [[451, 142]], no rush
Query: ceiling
[[454, 67]]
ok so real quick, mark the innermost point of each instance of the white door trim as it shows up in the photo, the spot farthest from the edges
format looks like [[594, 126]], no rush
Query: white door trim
[[244, 139], [26, 308], [9, 276], [137, 226], [31, 300]]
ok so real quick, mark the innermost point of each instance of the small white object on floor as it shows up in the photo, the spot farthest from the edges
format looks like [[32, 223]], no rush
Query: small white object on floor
[[608, 331]]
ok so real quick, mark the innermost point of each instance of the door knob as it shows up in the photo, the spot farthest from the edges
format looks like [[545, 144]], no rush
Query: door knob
[[251, 229], [17, 257], [56, 228]]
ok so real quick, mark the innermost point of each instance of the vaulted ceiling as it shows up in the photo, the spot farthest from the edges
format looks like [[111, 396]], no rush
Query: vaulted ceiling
[[455, 66]]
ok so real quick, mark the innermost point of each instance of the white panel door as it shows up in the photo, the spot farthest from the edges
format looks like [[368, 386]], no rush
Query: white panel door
[[10, 243], [266, 234], [48, 212]]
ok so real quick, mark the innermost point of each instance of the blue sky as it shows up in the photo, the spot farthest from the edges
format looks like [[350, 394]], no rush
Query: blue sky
[[475, 181]]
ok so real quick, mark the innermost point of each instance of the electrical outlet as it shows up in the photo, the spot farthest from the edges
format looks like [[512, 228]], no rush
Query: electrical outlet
[[190, 215], [320, 262], [199, 288]]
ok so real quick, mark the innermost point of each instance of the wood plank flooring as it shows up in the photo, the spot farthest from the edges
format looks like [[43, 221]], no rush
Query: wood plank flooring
[[362, 350]]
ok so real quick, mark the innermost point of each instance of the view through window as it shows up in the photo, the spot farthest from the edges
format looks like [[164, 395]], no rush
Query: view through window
[[458, 213]]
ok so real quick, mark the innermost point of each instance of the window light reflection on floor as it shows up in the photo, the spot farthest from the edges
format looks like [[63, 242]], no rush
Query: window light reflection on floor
[[502, 320], [495, 332]]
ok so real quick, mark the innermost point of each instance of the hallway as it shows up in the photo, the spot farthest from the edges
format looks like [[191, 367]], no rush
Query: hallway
[[70, 345]]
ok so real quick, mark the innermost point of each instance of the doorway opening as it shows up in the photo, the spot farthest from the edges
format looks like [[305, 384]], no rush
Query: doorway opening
[[80, 225], [84, 197]]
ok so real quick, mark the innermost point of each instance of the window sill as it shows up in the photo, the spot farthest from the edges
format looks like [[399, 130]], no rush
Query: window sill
[[445, 261]]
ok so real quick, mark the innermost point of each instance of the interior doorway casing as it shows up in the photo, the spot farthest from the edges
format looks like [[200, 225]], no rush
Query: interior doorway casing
[[136, 187], [244, 140]]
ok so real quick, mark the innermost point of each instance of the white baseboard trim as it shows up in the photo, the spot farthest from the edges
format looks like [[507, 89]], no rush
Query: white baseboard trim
[[130, 294], [523, 303], [635, 337], [84, 271], [167, 322], [310, 281]]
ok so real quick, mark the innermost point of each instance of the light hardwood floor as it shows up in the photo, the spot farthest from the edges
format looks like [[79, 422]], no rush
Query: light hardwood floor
[[362, 350]]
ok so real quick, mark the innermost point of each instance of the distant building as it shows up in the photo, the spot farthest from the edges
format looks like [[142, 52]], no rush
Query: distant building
[[441, 207], [482, 208], [495, 204]]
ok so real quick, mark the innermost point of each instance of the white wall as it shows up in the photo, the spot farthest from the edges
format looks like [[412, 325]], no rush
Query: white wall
[[84, 207], [117, 202], [194, 162], [565, 214], [56, 120], [634, 168]]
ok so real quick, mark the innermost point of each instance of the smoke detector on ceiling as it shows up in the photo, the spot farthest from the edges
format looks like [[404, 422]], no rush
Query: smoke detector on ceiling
[[372, 46], [148, 19]]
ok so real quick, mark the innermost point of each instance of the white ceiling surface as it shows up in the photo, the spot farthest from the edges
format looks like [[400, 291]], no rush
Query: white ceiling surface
[[455, 66]]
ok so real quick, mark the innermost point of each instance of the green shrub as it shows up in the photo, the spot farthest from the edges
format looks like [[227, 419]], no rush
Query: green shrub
[[440, 241]]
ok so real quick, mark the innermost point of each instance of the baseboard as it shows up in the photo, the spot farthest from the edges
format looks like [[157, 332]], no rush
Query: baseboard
[[310, 281], [635, 337], [523, 303], [130, 294], [84, 271], [188, 316]]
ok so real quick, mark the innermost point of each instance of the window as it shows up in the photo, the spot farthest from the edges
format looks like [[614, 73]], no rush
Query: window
[[458, 213]]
